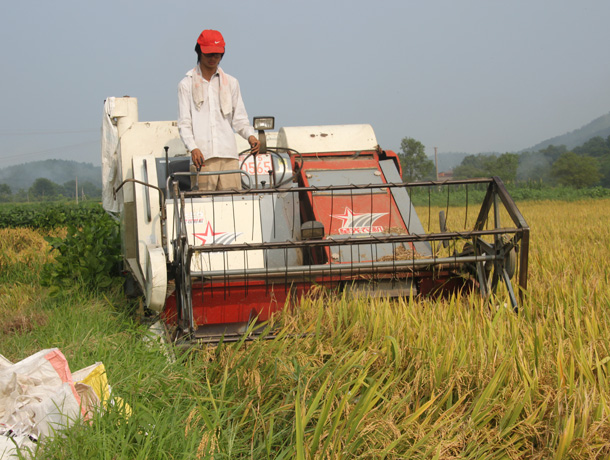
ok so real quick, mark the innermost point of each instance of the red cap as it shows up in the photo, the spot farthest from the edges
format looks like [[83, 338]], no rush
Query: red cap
[[211, 41]]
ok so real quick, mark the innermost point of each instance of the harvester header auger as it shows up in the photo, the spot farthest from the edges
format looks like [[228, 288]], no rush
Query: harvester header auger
[[320, 206]]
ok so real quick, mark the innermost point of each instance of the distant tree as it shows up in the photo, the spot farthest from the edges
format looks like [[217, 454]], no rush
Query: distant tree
[[44, 188], [594, 147], [69, 189], [471, 166], [5, 192], [504, 166], [553, 152], [90, 190], [534, 166], [599, 148], [21, 195], [604, 169], [415, 164], [86, 188], [574, 170]]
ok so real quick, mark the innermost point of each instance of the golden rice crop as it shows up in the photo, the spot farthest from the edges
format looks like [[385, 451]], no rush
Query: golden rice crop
[[22, 252], [21, 246], [413, 378], [455, 378]]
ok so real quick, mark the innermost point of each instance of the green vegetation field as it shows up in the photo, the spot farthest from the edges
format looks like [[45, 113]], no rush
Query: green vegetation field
[[47, 215], [374, 379]]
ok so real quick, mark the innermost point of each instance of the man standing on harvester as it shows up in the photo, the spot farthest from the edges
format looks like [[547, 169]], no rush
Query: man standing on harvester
[[210, 109]]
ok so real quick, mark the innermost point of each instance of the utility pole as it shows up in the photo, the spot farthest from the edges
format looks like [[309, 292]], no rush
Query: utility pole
[[436, 161], [76, 190]]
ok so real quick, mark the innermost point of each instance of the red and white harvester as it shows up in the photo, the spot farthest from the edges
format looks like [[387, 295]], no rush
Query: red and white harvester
[[320, 206]]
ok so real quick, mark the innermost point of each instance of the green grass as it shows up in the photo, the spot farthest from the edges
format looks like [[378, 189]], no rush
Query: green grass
[[373, 379]]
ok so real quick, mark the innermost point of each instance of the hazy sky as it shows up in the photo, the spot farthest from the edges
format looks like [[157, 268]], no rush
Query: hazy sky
[[462, 75]]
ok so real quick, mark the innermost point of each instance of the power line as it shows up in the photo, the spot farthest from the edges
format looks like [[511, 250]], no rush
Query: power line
[[17, 132]]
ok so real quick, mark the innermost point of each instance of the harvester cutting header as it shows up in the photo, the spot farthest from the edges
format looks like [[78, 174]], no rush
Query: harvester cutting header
[[319, 206]]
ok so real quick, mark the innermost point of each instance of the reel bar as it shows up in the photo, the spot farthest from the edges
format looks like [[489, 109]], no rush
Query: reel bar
[[363, 268], [330, 241], [328, 188]]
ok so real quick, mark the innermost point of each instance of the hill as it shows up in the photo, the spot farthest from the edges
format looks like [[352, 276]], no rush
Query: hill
[[598, 127], [22, 176]]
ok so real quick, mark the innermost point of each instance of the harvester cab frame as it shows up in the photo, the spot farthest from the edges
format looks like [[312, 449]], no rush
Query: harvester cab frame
[[321, 206]]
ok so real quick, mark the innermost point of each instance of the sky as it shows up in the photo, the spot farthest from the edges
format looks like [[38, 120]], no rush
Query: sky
[[460, 75]]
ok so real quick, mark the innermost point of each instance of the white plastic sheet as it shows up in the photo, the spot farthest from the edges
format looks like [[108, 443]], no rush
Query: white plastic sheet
[[110, 159]]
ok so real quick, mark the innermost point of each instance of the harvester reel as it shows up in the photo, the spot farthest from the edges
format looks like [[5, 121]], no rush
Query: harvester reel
[[490, 273]]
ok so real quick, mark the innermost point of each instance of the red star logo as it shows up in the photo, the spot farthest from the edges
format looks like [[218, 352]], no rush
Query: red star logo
[[209, 233], [347, 218]]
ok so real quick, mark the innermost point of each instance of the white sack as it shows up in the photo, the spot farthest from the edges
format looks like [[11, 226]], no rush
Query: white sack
[[37, 397]]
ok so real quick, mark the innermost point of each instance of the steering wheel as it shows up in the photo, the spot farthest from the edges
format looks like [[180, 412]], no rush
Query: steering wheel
[[271, 151]]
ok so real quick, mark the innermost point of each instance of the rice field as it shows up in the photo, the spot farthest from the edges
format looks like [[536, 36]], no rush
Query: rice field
[[421, 379]]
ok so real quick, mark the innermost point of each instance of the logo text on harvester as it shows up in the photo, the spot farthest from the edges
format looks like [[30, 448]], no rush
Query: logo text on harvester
[[356, 223]]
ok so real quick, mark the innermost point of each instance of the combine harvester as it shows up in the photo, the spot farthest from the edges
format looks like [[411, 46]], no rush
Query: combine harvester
[[320, 206]]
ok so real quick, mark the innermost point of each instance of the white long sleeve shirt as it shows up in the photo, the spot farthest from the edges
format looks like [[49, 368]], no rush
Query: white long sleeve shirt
[[207, 128]]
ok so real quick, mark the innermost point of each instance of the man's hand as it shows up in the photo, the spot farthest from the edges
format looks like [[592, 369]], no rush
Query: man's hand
[[254, 143], [197, 158]]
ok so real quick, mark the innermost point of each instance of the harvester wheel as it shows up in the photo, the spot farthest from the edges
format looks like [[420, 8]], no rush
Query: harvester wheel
[[130, 287], [183, 287], [490, 273]]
